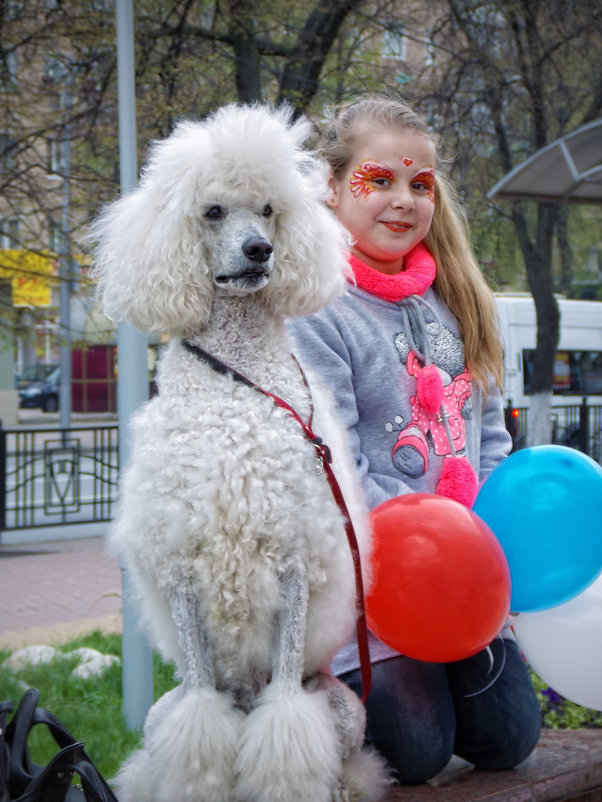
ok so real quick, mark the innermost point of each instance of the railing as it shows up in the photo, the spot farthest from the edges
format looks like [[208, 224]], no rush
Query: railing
[[576, 425], [52, 477]]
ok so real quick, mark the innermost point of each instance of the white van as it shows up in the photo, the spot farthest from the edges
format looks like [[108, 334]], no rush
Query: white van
[[578, 366]]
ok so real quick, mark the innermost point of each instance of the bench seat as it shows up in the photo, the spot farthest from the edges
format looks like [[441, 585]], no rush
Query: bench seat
[[566, 766]]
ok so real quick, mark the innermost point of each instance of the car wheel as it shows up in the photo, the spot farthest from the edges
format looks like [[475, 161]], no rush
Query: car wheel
[[51, 404]]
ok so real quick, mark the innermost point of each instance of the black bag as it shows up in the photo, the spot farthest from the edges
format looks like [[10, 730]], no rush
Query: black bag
[[21, 780], [5, 709]]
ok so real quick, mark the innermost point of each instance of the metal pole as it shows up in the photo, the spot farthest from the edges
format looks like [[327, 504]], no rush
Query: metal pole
[[2, 480], [132, 386], [65, 263]]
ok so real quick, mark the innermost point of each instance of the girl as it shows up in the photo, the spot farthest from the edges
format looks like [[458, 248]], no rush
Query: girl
[[413, 355]]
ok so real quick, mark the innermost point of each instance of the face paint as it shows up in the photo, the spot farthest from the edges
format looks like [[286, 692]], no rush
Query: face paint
[[427, 178], [362, 177], [407, 161]]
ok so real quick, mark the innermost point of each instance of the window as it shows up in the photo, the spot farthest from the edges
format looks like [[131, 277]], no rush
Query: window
[[9, 233], [54, 237], [8, 71], [575, 372], [7, 154], [394, 42], [430, 52], [54, 156], [14, 9]]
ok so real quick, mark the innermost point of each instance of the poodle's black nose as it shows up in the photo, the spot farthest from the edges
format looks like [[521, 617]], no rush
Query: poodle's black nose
[[257, 249]]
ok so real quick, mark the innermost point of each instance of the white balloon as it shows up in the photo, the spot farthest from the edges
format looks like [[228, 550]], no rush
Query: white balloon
[[564, 646]]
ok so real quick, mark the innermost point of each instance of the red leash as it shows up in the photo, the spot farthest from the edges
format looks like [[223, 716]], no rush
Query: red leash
[[323, 453]]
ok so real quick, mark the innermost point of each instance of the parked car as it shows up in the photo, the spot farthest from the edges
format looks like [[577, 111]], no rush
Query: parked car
[[38, 387]]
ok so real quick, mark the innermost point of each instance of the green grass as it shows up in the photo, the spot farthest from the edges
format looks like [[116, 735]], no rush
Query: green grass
[[91, 708], [561, 714]]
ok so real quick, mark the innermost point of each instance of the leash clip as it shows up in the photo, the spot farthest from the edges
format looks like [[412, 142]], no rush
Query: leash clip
[[322, 449]]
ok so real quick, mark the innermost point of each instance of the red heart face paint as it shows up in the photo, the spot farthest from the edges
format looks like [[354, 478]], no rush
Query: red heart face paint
[[364, 175], [426, 178], [407, 161]]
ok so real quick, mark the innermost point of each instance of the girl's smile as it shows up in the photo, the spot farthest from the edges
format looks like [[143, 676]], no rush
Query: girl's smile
[[399, 228], [386, 197]]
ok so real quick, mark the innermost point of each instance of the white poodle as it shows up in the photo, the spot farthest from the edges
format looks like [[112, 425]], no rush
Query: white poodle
[[227, 522]]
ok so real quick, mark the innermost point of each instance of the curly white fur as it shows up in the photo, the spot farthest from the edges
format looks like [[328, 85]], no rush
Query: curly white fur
[[233, 539]]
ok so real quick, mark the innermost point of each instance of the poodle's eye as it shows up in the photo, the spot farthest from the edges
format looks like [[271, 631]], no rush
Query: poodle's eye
[[267, 210], [215, 213]]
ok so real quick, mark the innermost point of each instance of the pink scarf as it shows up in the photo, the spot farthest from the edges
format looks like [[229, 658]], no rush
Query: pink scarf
[[419, 271]]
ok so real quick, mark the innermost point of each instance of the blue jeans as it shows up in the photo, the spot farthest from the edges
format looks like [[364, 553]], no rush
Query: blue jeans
[[419, 714]]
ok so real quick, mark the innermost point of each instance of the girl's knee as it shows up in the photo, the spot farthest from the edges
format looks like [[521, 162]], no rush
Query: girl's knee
[[410, 717], [415, 748], [503, 747]]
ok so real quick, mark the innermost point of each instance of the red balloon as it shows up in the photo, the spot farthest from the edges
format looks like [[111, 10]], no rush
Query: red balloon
[[440, 580]]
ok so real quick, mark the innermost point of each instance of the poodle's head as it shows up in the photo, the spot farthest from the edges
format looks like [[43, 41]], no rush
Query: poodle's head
[[233, 202]]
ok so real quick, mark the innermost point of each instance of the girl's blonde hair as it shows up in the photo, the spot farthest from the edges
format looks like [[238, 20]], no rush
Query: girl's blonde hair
[[459, 279]]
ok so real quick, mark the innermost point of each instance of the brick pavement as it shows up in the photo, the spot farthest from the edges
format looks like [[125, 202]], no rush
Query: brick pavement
[[53, 591]]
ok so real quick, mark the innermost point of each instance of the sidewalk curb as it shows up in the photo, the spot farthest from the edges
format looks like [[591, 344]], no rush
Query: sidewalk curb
[[48, 534]]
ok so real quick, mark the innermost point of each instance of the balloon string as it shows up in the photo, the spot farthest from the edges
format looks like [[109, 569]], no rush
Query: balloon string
[[448, 433], [491, 662]]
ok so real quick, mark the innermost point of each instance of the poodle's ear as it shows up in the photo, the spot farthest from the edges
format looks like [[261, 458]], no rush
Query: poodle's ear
[[149, 261], [311, 249]]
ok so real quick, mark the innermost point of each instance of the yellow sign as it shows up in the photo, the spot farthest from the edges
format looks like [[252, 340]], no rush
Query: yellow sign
[[31, 275]]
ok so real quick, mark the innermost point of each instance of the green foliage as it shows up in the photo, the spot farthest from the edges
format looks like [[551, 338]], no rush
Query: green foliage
[[560, 713], [89, 708]]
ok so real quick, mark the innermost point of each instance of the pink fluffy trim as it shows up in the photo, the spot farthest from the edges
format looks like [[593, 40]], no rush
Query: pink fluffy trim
[[419, 271], [429, 388], [458, 481]]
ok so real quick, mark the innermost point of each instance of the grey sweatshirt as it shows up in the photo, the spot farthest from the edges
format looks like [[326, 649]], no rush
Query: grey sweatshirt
[[359, 347], [365, 349]]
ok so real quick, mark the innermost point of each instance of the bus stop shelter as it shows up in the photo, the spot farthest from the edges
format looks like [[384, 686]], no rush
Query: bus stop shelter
[[568, 170]]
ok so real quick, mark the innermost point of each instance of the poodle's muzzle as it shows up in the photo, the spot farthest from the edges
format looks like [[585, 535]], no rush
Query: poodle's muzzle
[[255, 267], [245, 266]]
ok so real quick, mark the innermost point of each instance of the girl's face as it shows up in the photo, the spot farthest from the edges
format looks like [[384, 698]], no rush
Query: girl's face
[[386, 198]]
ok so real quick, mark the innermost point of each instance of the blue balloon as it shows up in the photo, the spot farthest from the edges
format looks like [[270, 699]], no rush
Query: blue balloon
[[544, 504]]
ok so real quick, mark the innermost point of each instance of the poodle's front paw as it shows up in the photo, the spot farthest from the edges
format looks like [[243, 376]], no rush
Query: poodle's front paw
[[158, 712], [133, 781], [289, 750], [189, 755]]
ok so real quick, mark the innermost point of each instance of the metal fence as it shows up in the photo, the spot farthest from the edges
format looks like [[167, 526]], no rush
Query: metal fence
[[53, 477], [576, 425]]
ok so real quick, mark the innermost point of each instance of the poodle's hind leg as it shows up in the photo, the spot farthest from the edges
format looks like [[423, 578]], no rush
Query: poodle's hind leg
[[365, 776], [191, 734], [289, 748]]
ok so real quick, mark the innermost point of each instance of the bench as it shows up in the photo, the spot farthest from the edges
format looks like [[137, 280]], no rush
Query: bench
[[566, 766]]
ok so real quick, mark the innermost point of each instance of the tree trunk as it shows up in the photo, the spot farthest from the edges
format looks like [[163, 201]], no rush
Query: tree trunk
[[538, 261], [247, 72], [565, 250], [242, 36], [300, 77]]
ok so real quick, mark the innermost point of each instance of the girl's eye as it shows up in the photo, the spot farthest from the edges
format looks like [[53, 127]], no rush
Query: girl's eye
[[424, 182], [267, 210], [215, 213], [368, 177]]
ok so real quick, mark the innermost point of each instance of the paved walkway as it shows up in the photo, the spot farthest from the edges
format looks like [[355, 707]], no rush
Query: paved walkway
[[53, 591]]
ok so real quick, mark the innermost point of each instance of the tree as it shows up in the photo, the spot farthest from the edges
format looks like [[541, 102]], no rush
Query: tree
[[521, 73], [58, 92]]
